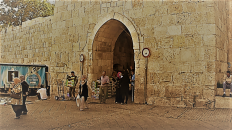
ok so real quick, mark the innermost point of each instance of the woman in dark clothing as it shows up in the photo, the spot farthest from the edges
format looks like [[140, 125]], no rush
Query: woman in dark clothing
[[83, 92], [118, 96], [124, 83], [18, 105]]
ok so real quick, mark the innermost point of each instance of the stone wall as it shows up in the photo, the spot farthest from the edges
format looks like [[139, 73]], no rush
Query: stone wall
[[187, 40], [230, 35], [222, 39]]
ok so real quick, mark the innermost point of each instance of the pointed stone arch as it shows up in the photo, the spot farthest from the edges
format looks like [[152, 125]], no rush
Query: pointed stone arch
[[106, 33]]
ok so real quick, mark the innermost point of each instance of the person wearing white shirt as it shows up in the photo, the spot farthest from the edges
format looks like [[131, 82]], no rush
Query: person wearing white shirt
[[43, 93], [227, 83]]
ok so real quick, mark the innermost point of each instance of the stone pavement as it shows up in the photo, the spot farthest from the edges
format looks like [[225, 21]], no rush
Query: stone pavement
[[51, 114]]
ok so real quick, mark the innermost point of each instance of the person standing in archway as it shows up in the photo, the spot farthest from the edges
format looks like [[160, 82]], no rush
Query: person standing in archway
[[124, 83], [104, 87], [118, 96], [132, 83], [130, 73]]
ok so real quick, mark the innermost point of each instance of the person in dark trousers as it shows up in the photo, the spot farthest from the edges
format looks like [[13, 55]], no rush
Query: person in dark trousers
[[73, 82], [227, 83], [48, 88], [132, 84], [118, 96], [21, 87], [124, 82], [17, 102], [25, 89]]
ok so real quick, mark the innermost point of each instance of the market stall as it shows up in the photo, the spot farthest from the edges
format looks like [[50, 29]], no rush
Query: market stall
[[96, 90]]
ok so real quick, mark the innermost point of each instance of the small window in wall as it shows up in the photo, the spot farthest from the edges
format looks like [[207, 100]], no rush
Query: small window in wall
[[12, 75]]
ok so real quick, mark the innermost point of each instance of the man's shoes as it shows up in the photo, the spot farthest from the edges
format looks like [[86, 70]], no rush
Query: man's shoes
[[121, 103], [223, 95], [230, 95], [17, 117], [81, 109]]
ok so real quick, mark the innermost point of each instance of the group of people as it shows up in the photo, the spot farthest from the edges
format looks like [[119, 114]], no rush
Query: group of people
[[83, 89], [122, 81]]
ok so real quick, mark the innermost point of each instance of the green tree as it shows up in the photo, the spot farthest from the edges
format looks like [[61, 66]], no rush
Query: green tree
[[14, 12]]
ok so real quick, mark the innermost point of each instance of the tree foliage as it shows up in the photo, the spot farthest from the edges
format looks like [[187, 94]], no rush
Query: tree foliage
[[14, 12]]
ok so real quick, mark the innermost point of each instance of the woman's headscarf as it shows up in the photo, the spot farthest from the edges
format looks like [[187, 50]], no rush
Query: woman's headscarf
[[118, 75]]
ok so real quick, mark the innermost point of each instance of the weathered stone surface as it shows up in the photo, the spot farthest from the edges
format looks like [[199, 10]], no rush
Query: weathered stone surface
[[223, 102], [187, 39]]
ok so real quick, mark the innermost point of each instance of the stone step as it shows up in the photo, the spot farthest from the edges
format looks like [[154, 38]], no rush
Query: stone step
[[219, 92], [223, 102]]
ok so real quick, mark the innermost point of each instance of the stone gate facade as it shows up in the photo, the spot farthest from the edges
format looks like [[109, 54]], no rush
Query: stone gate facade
[[188, 40]]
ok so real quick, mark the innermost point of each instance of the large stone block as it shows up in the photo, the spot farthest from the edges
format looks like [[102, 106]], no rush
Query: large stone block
[[209, 40], [189, 7], [174, 30], [187, 55], [70, 7], [157, 54], [153, 21], [206, 29], [168, 20], [223, 102], [179, 41], [175, 8], [188, 29], [62, 8], [177, 91], [199, 67], [165, 41], [160, 30]]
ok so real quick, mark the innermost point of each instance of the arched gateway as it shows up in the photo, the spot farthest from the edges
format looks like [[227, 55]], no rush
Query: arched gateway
[[187, 60], [114, 40]]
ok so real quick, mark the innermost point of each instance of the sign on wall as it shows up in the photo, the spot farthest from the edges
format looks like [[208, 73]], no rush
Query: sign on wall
[[34, 76]]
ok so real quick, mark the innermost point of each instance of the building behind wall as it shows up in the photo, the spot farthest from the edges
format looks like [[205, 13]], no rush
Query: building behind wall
[[188, 42]]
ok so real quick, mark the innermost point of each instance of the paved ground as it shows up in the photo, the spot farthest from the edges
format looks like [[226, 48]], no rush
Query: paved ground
[[50, 114]]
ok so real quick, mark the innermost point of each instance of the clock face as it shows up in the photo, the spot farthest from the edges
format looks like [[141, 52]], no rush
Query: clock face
[[146, 52], [81, 57]]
